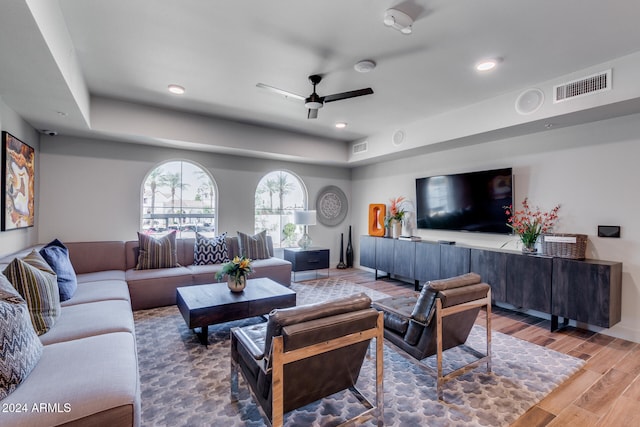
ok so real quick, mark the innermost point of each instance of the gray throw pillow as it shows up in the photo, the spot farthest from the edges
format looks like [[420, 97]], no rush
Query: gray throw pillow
[[254, 247], [20, 347]]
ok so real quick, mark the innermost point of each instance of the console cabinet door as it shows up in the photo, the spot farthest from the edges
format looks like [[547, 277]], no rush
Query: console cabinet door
[[404, 257], [492, 268], [384, 255], [588, 292], [368, 251], [529, 282], [454, 261], [427, 261]]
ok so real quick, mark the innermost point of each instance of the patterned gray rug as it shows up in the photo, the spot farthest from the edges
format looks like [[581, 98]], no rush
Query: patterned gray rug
[[184, 383]]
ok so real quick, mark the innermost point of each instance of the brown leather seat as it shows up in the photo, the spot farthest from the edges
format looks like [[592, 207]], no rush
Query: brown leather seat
[[305, 353], [440, 317]]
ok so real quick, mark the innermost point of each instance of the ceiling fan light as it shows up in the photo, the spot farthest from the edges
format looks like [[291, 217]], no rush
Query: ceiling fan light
[[341, 125], [406, 30], [313, 105]]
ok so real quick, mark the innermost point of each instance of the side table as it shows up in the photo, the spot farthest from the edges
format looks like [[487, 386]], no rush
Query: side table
[[312, 258]]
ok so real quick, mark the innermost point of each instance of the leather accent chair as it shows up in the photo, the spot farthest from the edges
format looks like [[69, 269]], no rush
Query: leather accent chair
[[438, 318], [305, 353]]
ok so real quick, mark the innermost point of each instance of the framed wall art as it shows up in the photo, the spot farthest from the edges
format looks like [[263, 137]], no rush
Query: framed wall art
[[18, 183]]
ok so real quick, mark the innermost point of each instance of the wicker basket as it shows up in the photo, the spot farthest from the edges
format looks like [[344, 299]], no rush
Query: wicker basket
[[562, 245]]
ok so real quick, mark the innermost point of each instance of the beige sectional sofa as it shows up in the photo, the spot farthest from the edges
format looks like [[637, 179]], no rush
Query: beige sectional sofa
[[88, 372]]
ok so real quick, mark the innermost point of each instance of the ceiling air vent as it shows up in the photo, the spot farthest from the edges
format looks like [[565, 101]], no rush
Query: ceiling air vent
[[586, 86], [360, 147]]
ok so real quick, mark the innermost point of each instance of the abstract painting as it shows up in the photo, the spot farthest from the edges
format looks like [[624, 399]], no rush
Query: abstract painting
[[18, 182]]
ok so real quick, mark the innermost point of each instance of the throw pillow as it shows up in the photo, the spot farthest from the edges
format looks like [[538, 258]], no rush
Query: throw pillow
[[254, 247], [37, 284], [157, 252], [210, 251], [56, 255], [20, 347]]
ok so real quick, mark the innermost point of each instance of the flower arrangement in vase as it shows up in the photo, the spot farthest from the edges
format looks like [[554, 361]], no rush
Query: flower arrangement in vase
[[529, 224], [236, 271], [395, 217]]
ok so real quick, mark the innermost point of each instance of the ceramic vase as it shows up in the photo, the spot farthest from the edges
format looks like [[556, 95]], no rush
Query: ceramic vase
[[236, 284], [396, 229]]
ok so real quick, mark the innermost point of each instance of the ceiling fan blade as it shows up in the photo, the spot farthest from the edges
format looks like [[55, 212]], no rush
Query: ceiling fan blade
[[312, 114], [346, 95], [281, 91]]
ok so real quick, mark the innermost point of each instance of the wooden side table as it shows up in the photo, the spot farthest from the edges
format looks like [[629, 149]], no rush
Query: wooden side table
[[312, 258]]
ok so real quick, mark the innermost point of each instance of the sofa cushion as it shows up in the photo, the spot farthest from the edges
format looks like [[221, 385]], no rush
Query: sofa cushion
[[156, 288], [36, 283], [99, 276], [254, 247], [210, 250], [157, 252], [89, 257], [102, 290], [94, 381], [56, 255], [20, 348], [90, 319]]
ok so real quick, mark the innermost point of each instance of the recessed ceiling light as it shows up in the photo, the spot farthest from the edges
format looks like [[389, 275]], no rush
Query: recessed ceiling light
[[365, 66], [486, 64], [178, 90], [341, 125]]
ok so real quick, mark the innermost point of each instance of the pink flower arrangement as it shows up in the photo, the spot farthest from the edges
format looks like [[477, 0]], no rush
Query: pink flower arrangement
[[396, 212], [529, 224]]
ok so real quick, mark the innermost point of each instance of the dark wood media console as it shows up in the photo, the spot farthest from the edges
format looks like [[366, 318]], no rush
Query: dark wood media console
[[587, 291]]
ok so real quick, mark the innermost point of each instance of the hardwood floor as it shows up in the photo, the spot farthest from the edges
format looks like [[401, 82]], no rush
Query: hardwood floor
[[605, 392]]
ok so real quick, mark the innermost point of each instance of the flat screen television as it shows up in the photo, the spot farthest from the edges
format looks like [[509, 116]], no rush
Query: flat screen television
[[472, 201]]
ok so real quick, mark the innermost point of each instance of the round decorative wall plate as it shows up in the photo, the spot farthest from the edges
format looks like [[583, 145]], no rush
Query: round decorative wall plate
[[331, 206]]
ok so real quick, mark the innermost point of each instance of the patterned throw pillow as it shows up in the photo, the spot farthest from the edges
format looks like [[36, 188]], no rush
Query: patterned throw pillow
[[210, 251], [57, 256], [254, 247], [37, 284], [157, 253], [20, 347]]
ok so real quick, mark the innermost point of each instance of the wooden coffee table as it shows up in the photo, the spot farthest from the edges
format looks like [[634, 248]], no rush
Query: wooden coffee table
[[204, 305]]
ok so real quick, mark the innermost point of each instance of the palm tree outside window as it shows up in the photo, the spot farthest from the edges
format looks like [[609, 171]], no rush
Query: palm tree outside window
[[278, 195], [181, 196]]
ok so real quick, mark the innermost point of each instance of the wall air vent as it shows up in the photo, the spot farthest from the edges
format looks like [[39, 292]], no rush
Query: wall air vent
[[586, 86], [360, 147]]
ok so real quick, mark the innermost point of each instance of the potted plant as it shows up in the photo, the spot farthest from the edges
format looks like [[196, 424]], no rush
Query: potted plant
[[236, 271], [393, 221], [529, 224]]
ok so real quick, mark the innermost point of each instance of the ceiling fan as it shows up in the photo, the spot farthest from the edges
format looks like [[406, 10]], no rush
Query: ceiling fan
[[314, 102]]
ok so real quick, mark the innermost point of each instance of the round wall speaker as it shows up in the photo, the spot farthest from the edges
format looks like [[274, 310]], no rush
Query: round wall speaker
[[529, 101], [398, 137]]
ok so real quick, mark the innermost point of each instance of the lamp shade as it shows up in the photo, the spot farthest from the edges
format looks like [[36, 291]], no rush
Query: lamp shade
[[304, 217]]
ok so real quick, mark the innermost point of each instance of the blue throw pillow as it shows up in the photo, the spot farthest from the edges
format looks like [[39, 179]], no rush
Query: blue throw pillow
[[57, 256]]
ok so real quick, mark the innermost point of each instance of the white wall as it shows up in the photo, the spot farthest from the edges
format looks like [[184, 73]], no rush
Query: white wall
[[9, 121], [90, 189], [590, 170]]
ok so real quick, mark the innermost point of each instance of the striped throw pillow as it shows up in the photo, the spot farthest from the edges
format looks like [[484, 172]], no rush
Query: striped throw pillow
[[37, 284], [20, 348], [254, 247], [157, 253]]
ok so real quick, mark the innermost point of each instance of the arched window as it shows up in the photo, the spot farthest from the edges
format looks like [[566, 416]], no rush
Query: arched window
[[278, 194], [179, 195]]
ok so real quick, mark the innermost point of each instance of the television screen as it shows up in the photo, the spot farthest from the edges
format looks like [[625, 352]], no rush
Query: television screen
[[471, 201]]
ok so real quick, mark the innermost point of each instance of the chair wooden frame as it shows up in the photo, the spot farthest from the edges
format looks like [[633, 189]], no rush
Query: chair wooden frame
[[441, 313], [280, 358]]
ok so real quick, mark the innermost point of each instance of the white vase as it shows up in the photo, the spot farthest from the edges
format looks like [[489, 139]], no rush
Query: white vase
[[236, 284], [396, 229]]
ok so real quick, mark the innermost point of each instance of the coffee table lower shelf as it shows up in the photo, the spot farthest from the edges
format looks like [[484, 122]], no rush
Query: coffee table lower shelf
[[210, 304]]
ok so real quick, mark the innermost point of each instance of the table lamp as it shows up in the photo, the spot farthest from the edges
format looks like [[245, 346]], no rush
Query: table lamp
[[304, 218]]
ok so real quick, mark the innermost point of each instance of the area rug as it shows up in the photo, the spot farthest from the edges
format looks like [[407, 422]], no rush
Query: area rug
[[184, 383]]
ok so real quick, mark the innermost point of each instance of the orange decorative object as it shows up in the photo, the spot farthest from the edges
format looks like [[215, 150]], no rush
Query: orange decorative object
[[376, 219]]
